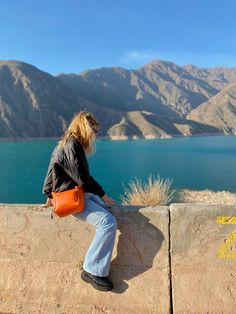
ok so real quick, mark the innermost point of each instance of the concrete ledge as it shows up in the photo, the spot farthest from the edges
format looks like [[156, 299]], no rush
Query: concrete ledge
[[180, 259], [40, 258], [203, 267]]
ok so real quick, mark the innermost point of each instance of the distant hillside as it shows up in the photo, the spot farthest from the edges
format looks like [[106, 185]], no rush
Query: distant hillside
[[219, 111], [32, 102], [160, 87], [156, 100], [139, 124]]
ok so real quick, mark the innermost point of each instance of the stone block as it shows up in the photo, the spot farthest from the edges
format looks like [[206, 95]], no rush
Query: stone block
[[40, 258], [203, 278]]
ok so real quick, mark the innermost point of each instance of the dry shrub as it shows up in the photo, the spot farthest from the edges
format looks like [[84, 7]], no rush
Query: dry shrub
[[155, 192]]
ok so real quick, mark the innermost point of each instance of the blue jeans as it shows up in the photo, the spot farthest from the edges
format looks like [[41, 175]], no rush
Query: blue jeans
[[98, 257]]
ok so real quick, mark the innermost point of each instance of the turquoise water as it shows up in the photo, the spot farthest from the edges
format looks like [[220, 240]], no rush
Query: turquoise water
[[192, 162]]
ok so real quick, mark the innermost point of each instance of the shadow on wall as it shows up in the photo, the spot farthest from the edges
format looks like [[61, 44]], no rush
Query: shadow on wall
[[138, 244]]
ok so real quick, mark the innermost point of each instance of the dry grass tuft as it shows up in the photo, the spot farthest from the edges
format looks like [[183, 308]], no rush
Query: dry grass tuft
[[155, 192]]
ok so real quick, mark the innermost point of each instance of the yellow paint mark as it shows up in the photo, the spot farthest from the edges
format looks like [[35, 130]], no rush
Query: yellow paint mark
[[225, 250], [226, 220]]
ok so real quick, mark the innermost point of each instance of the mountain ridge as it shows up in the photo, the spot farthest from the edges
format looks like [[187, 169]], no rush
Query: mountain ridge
[[219, 111], [155, 100]]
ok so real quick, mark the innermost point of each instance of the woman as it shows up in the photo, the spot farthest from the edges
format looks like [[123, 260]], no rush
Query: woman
[[69, 167]]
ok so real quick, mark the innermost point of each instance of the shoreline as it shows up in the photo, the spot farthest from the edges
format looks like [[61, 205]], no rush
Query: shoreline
[[186, 196], [114, 138]]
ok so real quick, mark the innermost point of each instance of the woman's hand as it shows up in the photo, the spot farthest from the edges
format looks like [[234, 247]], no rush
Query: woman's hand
[[108, 200], [48, 203]]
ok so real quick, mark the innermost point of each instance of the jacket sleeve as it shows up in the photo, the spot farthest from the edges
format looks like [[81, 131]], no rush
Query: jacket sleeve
[[48, 182], [78, 169]]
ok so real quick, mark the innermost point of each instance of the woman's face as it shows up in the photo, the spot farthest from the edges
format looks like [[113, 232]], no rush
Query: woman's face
[[95, 129], [93, 123]]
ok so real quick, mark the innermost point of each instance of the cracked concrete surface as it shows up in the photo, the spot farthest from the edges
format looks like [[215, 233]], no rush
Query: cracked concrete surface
[[202, 282], [180, 259], [40, 260]]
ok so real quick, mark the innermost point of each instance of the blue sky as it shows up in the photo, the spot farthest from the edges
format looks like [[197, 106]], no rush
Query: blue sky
[[73, 35]]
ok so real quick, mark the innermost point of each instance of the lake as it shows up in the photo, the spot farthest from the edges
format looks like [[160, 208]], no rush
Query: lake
[[192, 162]]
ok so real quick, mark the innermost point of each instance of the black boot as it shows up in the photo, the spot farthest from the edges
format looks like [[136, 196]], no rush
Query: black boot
[[99, 283]]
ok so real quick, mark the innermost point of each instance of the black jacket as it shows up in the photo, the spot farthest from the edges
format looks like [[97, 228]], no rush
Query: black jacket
[[69, 167]]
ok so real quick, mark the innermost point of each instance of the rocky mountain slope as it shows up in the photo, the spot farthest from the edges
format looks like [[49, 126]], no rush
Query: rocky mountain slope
[[32, 102], [156, 100], [160, 87], [219, 111]]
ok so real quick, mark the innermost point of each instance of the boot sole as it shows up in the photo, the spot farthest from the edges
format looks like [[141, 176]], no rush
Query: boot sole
[[100, 288]]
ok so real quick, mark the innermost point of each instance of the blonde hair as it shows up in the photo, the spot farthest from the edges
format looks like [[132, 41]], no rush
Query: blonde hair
[[83, 127]]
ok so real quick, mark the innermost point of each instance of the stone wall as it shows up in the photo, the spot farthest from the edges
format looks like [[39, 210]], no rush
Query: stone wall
[[203, 258], [180, 259]]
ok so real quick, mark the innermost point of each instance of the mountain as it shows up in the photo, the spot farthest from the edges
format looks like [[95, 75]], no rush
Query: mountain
[[219, 111], [139, 124], [32, 102], [156, 100], [160, 87]]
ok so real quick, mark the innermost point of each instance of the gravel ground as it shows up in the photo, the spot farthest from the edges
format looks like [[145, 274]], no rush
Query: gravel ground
[[205, 197]]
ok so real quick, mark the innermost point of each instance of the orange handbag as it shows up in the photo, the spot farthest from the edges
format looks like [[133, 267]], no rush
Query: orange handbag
[[68, 202]]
